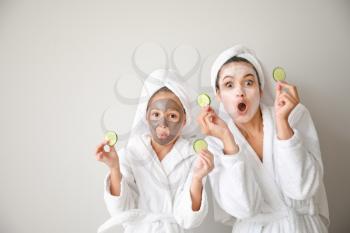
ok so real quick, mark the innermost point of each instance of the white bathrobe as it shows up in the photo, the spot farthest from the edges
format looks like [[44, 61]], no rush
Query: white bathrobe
[[282, 194], [155, 195]]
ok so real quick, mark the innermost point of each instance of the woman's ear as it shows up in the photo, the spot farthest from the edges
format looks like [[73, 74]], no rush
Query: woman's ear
[[261, 92], [217, 96]]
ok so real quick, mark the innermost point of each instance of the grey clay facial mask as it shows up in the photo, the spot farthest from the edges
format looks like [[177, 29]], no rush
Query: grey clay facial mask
[[165, 105]]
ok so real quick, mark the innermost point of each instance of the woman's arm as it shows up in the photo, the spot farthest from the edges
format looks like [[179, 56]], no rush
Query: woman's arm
[[298, 157], [233, 183]]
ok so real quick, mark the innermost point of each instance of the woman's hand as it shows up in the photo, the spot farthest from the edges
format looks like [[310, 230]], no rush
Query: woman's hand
[[211, 124], [287, 99], [203, 165], [110, 158]]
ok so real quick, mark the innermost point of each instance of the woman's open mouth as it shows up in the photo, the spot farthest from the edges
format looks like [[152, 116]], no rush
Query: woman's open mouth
[[242, 107]]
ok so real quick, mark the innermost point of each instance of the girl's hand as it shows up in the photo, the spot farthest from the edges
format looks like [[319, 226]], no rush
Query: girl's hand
[[285, 101], [203, 165], [110, 158], [211, 124]]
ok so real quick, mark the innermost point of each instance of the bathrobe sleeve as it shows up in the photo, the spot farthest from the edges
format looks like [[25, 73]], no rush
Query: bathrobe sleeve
[[298, 159], [129, 193], [183, 213], [233, 183]]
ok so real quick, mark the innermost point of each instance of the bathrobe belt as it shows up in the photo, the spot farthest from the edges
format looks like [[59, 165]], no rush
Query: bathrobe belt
[[135, 216], [292, 214]]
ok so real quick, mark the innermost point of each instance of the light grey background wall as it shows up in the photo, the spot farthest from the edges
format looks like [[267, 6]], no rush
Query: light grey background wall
[[59, 61]]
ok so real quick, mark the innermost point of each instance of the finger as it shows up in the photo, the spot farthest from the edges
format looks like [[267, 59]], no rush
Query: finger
[[101, 145], [208, 123], [285, 100], [278, 89], [203, 125], [99, 156], [201, 116], [291, 89], [209, 118], [112, 149], [289, 98], [207, 160], [204, 163], [208, 154]]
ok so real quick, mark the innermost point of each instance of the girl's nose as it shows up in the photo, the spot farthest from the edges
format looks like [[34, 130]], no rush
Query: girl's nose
[[163, 123]]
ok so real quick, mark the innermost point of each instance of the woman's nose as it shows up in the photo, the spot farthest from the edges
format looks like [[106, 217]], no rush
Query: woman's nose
[[239, 92]]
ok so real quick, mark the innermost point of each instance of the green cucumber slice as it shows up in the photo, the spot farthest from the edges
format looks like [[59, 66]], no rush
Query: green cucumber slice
[[203, 100], [199, 145], [279, 74], [111, 137]]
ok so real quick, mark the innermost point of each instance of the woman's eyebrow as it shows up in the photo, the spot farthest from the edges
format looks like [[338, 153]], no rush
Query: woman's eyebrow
[[227, 76], [249, 74]]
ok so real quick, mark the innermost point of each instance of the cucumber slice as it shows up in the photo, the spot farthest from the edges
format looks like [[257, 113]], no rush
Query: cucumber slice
[[200, 144], [111, 137], [203, 100], [279, 74]]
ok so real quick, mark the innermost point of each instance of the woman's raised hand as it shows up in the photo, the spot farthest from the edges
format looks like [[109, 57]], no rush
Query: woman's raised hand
[[286, 99], [211, 124]]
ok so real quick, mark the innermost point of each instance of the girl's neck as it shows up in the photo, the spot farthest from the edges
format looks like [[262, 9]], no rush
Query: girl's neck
[[255, 125], [161, 150]]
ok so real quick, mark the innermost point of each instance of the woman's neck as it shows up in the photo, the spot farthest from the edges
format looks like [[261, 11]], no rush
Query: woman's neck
[[161, 150], [255, 125]]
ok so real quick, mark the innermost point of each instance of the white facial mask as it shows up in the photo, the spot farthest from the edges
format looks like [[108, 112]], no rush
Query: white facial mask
[[238, 91]]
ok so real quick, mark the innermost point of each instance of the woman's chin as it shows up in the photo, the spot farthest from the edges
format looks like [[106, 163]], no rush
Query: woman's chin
[[241, 118]]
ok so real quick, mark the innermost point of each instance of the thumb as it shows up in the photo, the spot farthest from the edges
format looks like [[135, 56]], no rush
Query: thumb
[[278, 89]]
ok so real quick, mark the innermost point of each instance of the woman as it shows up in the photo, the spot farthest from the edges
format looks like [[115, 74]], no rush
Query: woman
[[268, 171], [156, 183]]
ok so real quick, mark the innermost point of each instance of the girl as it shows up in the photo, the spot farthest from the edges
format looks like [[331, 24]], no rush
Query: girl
[[156, 183], [268, 171]]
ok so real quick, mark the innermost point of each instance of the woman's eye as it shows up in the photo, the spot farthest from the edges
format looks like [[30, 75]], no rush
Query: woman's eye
[[249, 82], [229, 84]]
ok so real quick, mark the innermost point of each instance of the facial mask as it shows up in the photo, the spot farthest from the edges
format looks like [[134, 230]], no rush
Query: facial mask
[[163, 123], [241, 109]]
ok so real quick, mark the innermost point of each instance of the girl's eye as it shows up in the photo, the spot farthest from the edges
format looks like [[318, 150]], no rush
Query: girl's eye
[[155, 114], [173, 117]]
